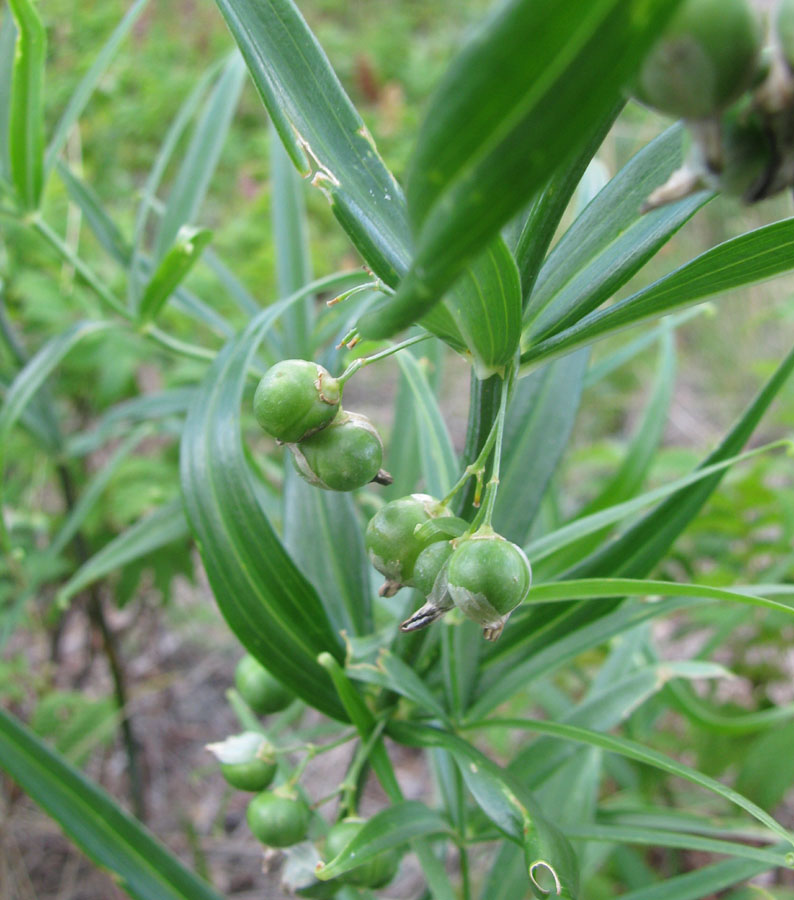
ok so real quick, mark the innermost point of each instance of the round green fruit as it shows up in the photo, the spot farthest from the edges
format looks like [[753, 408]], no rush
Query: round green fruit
[[295, 399], [260, 690], [345, 455], [705, 59], [247, 761], [278, 820], [429, 564], [376, 872], [487, 578], [391, 541]]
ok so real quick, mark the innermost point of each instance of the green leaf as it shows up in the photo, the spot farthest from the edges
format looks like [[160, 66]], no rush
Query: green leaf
[[290, 241], [82, 93], [266, 600], [703, 883], [321, 131], [94, 821], [93, 490], [539, 422], [639, 753], [439, 464], [8, 39], [172, 270], [164, 526], [201, 156], [485, 304], [393, 827], [611, 240], [508, 804], [767, 771], [743, 260], [323, 534], [519, 101], [26, 123]]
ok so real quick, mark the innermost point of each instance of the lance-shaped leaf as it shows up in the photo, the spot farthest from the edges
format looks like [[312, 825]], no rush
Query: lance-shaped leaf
[[164, 526], [706, 882], [510, 806], [322, 132], [26, 125], [402, 822], [94, 821], [485, 304], [611, 240], [172, 270], [267, 602], [519, 101], [751, 257], [8, 39]]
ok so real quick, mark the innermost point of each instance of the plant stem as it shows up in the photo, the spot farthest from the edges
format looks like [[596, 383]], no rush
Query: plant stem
[[483, 405], [475, 469], [102, 291], [485, 516], [382, 354], [96, 614]]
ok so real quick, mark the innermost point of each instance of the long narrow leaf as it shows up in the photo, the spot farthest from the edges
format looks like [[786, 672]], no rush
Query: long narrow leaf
[[743, 260], [173, 268], [84, 90], [266, 600], [94, 821], [26, 128], [8, 39], [164, 526], [521, 99]]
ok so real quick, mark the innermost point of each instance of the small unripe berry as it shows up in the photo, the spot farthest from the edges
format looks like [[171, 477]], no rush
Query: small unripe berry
[[487, 578], [247, 761], [345, 455], [428, 565], [278, 820], [295, 399], [376, 872], [391, 540], [260, 690], [705, 59]]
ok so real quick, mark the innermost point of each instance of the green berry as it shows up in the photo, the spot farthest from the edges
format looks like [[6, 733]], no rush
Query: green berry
[[428, 565], [278, 820], [747, 155], [345, 455], [705, 59], [391, 540], [295, 399], [260, 690], [487, 578], [247, 761], [376, 872]]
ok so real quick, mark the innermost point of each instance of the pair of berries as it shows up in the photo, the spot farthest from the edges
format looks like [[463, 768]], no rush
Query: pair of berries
[[298, 402], [485, 576]]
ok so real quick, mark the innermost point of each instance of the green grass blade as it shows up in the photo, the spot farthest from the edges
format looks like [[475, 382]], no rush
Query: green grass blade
[[164, 526], [757, 255], [172, 270], [611, 240], [439, 464], [84, 90], [485, 304], [390, 828], [702, 884], [201, 156], [8, 39], [521, 99], [290, 241], [507, 803], [704, 716], [94, 490], [322, 531], [94, 821], [539, 422], [26, 123], [322, 132], [639, 753], [266, 600]]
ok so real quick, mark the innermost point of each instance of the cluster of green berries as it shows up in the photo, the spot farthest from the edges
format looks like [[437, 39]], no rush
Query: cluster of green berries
[[416, 542], [299, 403], [727, 68], [280, 817]]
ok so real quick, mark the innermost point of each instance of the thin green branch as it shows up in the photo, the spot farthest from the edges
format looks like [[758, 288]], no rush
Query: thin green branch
[[363, 361]]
